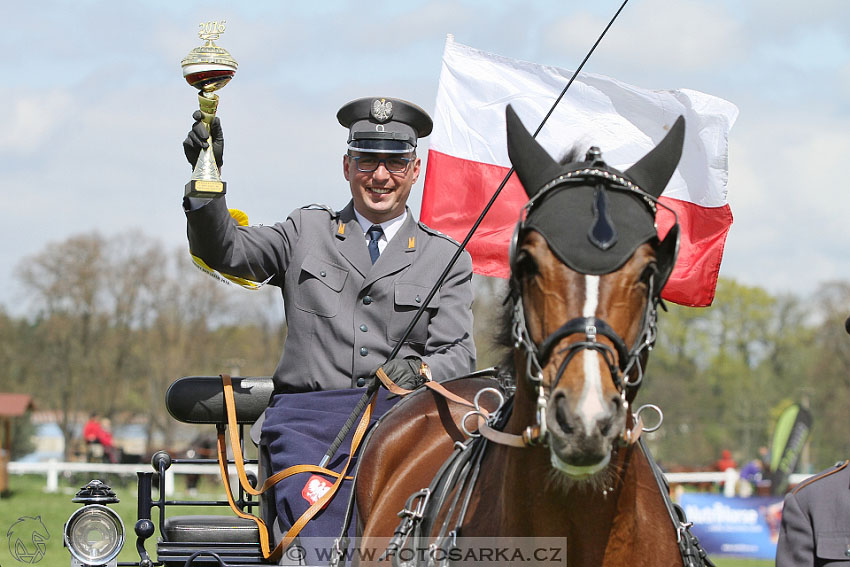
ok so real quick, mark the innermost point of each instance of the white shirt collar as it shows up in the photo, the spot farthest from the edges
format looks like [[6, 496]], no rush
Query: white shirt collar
[[390, 227]]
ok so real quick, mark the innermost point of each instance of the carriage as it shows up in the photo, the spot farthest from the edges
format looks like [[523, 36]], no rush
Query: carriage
[[554, 454]]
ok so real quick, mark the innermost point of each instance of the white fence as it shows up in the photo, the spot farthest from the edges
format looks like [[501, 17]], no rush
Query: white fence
[[52, 470]]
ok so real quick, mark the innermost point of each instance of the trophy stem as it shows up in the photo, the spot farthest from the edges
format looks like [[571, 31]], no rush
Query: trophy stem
[[209, 104], [206, 180]]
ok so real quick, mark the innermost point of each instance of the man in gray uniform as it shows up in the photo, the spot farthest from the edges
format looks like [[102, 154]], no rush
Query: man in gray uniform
[[346, 305], [351, 281], [815, 528]]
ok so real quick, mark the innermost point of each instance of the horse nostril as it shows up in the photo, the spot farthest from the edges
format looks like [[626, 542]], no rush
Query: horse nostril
[[561, 415]]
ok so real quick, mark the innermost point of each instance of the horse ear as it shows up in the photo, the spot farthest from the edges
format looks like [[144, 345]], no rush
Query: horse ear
[[666, 254], [654, 170], [534, 166]]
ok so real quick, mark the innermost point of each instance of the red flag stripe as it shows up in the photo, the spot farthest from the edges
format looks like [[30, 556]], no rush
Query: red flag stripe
[[456, 190]]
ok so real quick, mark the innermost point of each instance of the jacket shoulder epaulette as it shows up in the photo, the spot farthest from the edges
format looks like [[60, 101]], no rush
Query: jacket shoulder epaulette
[[840, 465], [320, 207], [437, 233]]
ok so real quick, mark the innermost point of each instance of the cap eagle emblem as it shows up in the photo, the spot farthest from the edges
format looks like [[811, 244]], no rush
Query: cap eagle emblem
[[382, 110]]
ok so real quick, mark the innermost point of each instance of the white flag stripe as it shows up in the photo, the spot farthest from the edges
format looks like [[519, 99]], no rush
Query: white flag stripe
[[623, 120]]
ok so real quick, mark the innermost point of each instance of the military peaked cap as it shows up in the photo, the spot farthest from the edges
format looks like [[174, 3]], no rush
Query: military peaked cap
[[386, 125]]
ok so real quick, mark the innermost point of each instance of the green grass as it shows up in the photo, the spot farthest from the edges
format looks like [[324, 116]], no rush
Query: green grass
[[28, 499]]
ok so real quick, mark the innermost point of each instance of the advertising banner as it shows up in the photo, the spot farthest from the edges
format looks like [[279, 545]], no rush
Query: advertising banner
[[743, 527], [789, 437]]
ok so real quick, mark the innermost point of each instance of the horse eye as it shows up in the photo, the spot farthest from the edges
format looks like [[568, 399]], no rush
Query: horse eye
[[526, 265], [649, 271]]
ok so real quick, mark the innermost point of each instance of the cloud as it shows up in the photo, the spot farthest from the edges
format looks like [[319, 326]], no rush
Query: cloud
[[29, 120]]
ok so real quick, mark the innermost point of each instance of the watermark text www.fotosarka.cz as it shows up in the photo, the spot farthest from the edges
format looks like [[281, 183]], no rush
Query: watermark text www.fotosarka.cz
[[459, 551]]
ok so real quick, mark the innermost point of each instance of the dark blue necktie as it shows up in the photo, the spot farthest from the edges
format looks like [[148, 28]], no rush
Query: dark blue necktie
[[375, 231]]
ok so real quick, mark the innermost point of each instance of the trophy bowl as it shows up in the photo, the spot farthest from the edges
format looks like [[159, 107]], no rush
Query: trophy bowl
[[207, 78], [208, 68]]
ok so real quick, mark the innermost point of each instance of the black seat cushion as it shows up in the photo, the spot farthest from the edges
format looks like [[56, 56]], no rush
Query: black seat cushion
[[214, 529], [200, 399]]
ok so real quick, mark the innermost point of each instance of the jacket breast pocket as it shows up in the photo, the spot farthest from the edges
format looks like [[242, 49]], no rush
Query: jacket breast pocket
[[407, 300], [319, 286], [833, 547]]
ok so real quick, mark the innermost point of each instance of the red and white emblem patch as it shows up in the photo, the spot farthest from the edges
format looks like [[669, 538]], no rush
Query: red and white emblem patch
[[315, 488]]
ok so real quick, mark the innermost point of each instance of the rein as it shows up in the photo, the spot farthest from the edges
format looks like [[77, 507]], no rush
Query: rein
[[232, 425]]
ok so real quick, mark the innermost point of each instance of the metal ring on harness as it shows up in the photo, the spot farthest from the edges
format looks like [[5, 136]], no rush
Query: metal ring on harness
[[466, 431], [657, 410], [482, 414], [499, 395]]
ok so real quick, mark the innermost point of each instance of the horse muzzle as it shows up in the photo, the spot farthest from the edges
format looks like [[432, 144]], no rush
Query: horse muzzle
[[581, 439]]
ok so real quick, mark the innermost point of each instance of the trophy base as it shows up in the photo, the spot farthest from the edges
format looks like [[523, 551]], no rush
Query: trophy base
[[205, 188]]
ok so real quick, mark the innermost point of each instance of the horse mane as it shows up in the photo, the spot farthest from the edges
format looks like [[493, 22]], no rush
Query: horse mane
[[572, 155]]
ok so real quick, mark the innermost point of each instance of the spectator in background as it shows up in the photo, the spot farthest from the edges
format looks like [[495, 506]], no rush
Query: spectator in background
[[751, 476], [91, 429], [99, 443], [725, 461]]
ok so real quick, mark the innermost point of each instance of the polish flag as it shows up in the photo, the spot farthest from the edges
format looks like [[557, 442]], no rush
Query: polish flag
[[468, 157]]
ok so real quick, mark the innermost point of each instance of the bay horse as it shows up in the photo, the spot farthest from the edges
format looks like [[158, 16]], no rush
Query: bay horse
[[559, 458]]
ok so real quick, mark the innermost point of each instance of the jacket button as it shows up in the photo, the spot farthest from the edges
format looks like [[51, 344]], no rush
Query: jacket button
[[323, 273], [364, 351], [364, 328], [367, 300], [361, 382], [418, 300]]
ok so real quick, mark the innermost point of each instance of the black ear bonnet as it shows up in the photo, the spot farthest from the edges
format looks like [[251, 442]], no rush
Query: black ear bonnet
[[597, 225]]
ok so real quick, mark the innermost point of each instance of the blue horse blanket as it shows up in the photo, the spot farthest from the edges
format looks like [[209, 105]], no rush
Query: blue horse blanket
[[298, 429]]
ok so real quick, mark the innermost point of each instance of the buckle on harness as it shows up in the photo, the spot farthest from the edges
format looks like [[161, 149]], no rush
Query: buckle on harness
[[420, 498]]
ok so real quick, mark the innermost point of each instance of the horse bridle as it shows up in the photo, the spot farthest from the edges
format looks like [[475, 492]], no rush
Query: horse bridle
[[627, 359]]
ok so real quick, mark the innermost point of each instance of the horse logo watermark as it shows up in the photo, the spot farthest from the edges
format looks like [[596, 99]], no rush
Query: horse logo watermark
[[27, 539]]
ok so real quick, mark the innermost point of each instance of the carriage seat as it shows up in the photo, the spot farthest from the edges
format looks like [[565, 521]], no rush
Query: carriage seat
[[212, 529], [200, 400]]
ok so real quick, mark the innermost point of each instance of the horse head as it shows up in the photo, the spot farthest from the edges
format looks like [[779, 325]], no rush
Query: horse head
[[587, 269]]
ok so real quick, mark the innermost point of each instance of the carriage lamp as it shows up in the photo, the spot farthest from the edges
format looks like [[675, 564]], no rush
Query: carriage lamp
[[94, 534]]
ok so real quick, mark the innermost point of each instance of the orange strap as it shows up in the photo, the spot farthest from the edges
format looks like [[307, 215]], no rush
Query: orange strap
[[432, 384], [239, 462]]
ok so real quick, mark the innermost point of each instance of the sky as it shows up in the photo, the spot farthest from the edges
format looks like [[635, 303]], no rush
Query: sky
[[94, 109]]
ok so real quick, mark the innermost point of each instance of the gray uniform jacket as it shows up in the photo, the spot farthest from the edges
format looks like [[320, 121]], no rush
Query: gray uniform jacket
[[815, 527], [345, 315]]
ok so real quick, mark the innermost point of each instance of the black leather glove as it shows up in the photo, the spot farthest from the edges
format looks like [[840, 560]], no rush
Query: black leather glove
[[196, 140], [404, 372]]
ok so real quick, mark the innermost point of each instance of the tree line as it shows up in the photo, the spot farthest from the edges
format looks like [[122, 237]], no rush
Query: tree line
[[109, 323]]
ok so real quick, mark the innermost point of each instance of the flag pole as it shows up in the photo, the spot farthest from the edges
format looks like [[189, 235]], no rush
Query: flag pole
[[361, 404]]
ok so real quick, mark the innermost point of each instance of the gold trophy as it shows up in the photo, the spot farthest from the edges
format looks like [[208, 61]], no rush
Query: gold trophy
[[208, 68]]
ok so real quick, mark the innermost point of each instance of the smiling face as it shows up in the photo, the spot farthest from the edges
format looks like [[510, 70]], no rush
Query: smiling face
[[380, 195]]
